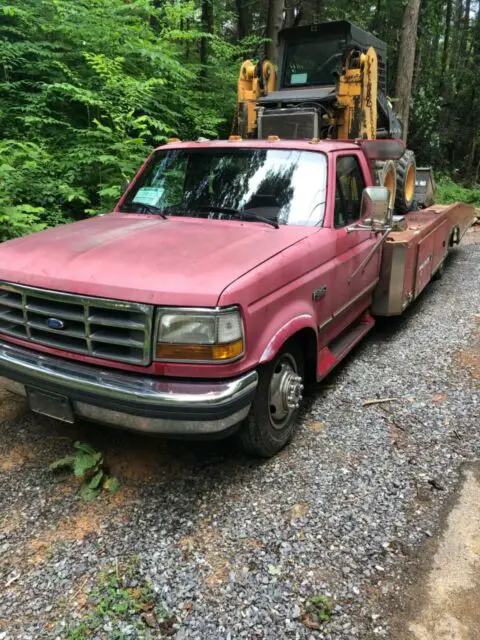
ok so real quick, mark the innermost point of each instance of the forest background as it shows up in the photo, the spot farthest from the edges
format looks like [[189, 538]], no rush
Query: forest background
[[89, 87]]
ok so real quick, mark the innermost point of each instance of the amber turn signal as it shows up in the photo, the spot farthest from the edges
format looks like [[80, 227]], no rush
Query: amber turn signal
[[199, 352]]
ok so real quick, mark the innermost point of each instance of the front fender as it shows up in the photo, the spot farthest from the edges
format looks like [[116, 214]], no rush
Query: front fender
[[285, 332]]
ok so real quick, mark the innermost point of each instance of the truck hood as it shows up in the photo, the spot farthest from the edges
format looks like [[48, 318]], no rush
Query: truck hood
[[143, 258]]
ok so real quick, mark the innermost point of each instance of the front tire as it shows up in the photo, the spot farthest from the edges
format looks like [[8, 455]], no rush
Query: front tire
[[272, 420]]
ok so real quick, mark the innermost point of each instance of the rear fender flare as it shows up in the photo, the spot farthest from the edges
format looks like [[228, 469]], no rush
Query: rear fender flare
[[284, 333]]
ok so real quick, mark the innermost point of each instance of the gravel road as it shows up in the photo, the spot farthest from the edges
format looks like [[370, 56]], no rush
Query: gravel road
[[236, 548]]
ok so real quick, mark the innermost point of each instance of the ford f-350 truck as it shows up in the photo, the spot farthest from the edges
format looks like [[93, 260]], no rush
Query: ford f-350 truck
[[229, 275]]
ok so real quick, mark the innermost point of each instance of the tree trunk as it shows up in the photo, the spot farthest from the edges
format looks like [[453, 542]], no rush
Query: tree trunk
[[463, 53], [207, 27], [244, 20], [456, 44], [446, 44], [376, 20], [274, 23], [318, 11], [406, 62]]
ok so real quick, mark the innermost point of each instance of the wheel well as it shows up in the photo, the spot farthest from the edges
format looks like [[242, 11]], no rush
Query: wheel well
[[307, 339]]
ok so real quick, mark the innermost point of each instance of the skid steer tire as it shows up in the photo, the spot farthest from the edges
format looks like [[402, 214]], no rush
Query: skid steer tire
[[406, 170], [385, 175]]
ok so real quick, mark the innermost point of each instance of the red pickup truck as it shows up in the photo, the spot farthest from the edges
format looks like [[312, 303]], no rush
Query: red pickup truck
[[229, 275]]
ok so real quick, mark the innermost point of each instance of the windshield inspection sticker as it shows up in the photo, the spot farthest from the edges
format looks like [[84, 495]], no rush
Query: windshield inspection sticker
[[298, 78], [148, 195]]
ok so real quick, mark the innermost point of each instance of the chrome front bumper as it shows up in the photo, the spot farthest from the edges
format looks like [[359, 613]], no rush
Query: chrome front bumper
[[131, 401]]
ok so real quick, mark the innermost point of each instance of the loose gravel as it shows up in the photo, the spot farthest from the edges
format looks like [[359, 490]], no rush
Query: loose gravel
[[234, 547]]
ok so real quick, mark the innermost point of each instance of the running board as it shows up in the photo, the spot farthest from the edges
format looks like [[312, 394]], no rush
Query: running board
[[331, 355]]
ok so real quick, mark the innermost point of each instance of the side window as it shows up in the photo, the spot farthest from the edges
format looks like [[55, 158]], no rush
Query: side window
[[348, 192]]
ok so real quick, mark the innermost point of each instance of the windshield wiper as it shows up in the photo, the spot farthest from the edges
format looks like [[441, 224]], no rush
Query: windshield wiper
[[239, 213], [150, 208]]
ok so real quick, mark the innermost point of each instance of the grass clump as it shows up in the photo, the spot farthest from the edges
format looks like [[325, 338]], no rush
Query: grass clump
[[318, 610], [449, 191], [122, 604]]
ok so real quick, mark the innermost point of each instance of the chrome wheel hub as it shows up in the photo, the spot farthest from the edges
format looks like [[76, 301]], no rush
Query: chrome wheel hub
[[286, 389]]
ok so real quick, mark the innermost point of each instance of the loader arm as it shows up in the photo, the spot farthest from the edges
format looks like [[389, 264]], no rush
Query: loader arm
[[356, 103], [255, 80]]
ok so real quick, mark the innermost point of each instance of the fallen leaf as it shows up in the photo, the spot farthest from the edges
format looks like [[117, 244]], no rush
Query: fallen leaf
[[298, 511], [274, 570], [316, 426], [150, 619]]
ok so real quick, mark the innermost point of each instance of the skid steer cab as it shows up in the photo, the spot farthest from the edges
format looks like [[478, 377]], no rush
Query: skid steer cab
[[330, 83], [230, 275]]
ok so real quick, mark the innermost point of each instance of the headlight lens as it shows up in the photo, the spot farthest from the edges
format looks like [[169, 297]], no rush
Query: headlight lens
[[199, 337]]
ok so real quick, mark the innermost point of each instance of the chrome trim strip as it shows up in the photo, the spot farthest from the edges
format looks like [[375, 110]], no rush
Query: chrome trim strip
[[158, 425], [351, 302], [107, 384], [325, 323]]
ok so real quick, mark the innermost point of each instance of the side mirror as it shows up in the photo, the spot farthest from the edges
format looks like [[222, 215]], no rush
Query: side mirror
[[124, 187], [374, 207]]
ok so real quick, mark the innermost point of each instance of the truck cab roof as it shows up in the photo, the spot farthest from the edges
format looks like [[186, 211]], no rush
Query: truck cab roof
[[325, 146]]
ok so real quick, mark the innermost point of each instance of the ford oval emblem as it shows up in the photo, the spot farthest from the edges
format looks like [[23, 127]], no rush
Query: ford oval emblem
[[55, 323]]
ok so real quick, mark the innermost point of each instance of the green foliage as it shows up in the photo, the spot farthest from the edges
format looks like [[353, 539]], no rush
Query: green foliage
[[114, 602], [87, 463], [88, 88], [318, 610], [449, 191]]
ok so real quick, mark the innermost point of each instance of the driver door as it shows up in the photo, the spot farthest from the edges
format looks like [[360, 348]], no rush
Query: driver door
[[353, 289]]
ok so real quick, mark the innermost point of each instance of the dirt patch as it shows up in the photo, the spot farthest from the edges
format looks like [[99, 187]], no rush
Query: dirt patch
[[89, 519], [469, 359], [207, 547], [447, 606], [473, 234], [136, 464], [12, 407], [17, 457]]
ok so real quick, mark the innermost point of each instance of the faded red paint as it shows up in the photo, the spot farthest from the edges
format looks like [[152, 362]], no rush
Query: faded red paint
[[270, 273]]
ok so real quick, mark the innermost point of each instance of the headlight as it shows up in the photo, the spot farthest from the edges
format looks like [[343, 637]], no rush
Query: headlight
[[199, 336]]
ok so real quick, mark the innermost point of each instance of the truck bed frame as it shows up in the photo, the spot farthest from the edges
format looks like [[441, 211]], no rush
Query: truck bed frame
[[411, 257]]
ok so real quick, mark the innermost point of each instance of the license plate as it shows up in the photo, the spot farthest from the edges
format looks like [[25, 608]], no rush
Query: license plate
[[51, 405]]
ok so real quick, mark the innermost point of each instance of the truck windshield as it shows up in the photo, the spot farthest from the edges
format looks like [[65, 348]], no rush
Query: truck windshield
[[282, 186], [313, 63]]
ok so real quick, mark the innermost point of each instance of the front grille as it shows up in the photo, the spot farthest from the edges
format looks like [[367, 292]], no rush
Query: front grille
[[97, 327]]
